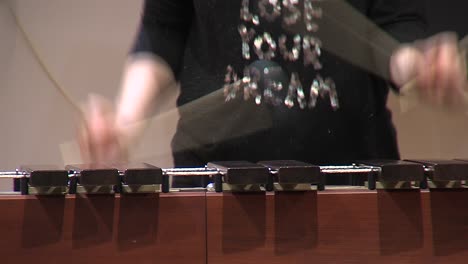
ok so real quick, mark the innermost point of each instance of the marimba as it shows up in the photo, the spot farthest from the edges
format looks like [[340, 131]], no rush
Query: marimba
[[410, 211]]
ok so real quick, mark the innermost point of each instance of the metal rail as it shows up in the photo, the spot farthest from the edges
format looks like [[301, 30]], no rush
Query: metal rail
[[205, 171]]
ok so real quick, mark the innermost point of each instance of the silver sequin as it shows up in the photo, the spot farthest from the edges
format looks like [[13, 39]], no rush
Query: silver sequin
[[311, 13], [231, 84], [292, 55], [322, 88], [312, 50], [292, 14], [246, 36], [269, 9], [250, 85], [258, 43], [271, 87], [295, 92], [245, 14]]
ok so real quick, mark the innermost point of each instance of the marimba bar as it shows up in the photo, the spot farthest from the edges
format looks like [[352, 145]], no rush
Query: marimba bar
[[396, 174], [91, 178], [43, 179], [294, 175], [445, 173], [238, 176], [143, 178], [275, 212]]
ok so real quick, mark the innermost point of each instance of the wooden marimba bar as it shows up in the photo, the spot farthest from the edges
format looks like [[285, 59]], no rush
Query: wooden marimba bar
[[267, 212]]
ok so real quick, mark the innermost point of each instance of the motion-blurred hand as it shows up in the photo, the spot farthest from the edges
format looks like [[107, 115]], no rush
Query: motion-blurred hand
[[435, 68], [110, 130], [102, 140]]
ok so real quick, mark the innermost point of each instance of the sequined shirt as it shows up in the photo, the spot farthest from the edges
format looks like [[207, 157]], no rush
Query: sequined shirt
[[201, 39]]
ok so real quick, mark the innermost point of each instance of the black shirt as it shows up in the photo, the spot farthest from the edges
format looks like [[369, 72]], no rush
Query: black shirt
[[199, 39]]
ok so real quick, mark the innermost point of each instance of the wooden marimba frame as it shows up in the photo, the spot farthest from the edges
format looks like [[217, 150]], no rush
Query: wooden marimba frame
[[269, 212]]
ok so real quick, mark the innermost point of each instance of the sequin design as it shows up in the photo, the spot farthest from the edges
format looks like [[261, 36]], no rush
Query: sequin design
[[311, 14], [269, 9], [322, 88], [295, 92], [247, 36], [294, 53], [271, 46], [260, 81], [311, 47], [291, 14], [245, 14], [248, 85]]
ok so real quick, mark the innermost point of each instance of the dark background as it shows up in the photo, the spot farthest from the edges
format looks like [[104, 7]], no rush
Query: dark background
[[447, 15]]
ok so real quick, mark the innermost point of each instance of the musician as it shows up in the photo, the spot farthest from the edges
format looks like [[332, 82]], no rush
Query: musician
[[204, 44]]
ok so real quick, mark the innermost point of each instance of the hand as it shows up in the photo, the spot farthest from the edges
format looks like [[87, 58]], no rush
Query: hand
[[435, 67], [101, 140]]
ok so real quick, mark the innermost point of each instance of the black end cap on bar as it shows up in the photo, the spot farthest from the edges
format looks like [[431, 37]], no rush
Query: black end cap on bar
[[96, 175], [446, 170], [397, 170], [45, 176], [241, 172], [141, 174], [294, 172]]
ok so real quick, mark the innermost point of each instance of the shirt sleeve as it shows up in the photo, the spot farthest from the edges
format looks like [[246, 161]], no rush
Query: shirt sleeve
[[163, 30]]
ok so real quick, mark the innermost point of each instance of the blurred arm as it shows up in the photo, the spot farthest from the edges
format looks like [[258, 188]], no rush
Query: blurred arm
[[156, 56], [153, 65]]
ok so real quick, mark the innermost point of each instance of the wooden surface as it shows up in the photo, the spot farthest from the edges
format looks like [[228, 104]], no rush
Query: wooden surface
[[102, 229], [328, 227], [338, 227]]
